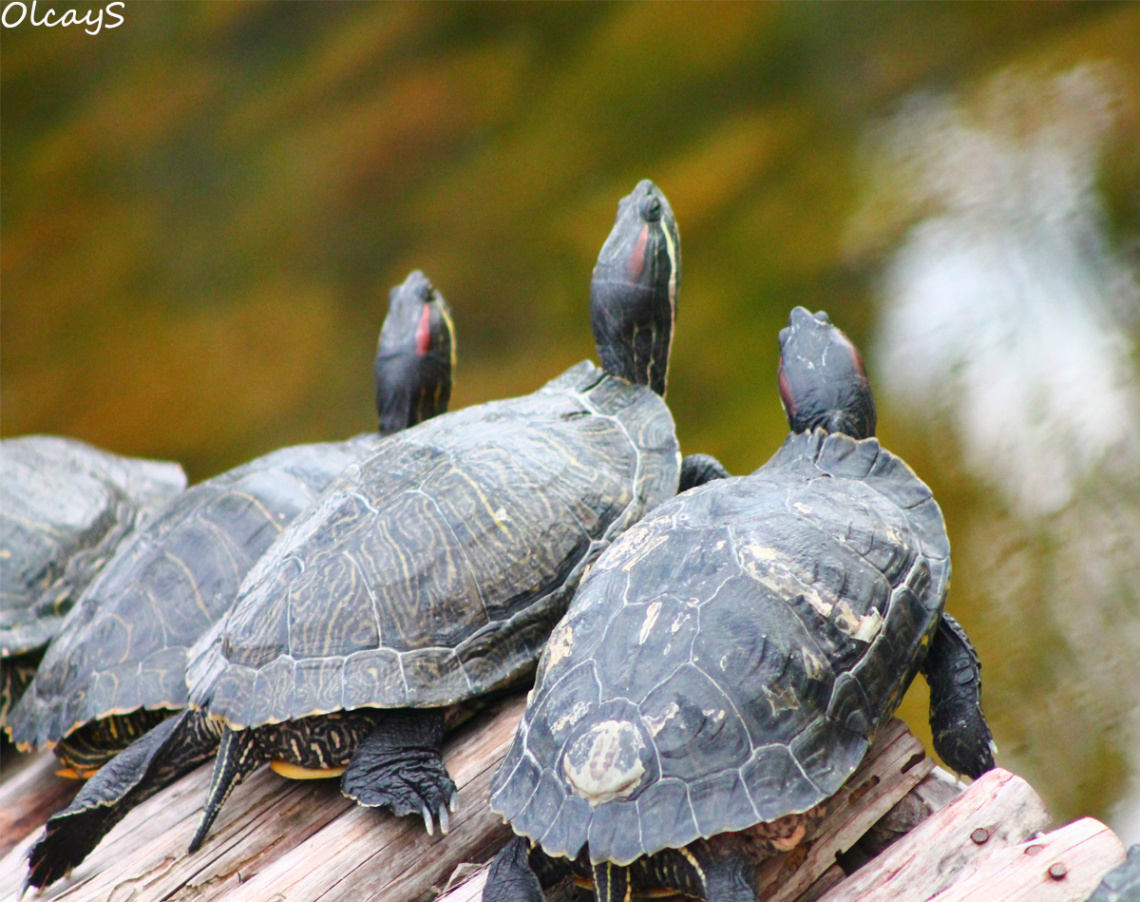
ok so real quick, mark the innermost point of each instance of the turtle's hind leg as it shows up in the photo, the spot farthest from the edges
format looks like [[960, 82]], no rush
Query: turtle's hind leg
[[512, 878], [962, 737], [147, 765], [398, 766], [239, 756]]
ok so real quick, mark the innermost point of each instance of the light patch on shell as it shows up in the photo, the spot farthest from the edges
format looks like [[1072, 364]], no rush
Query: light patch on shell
[[814, 665], [605, 763], [561, 641], [650, 618], [715, 715], [781, 699], [781, 574], [802, 508], [657, 724], [863, 628], [634, 545], [570, 718]]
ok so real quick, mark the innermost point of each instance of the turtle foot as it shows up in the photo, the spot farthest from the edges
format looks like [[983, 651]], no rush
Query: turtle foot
[[398, 766]]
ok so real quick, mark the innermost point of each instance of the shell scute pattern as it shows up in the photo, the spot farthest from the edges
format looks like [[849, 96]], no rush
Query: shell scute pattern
[[58, 498], [445, 582], [125, 644], [757, 698]]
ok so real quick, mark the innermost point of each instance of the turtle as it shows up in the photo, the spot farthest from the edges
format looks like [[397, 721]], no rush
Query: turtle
[[118, 666], [65, 506], [1122, 883], [724, 667], [431, 573]]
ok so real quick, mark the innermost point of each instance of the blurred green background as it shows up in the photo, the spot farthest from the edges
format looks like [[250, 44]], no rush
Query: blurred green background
[[203, 209]]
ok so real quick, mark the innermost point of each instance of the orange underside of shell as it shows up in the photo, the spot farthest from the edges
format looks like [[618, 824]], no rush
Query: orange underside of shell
[[292, 771]]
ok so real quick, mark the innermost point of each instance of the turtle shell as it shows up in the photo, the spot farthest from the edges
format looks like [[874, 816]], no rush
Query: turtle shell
[[124, 645], [728, 661], [64, 508], [434, 570]]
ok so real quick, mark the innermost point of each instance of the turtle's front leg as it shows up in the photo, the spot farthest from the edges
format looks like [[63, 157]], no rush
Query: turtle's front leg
[[962, 737], [697, 469], [398, 766]]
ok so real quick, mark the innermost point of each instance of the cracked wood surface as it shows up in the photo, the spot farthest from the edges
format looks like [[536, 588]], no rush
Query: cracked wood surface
[[282, 840], [279, 839]]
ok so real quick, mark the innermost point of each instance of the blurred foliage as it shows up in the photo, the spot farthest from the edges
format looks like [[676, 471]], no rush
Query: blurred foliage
[[204, 208]]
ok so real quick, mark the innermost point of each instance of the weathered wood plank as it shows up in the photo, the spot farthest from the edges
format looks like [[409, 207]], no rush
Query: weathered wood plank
[[278, 832], [997, 811], [29, 796], [895, 764], [1063, 866]]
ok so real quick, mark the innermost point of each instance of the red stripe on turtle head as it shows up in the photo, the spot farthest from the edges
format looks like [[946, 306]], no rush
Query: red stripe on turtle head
[[636, 262], [423, 332]]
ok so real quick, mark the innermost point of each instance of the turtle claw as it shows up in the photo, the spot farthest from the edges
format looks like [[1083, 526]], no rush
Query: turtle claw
[[444, 821], [426, 812], [453, 802]]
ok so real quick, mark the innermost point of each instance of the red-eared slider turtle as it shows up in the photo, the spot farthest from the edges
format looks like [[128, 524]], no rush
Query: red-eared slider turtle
[[65, 507], [431, 572], [724, 667], [119, 664]]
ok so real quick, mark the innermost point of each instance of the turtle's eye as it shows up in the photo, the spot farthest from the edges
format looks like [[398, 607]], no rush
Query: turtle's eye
[[650, 209]]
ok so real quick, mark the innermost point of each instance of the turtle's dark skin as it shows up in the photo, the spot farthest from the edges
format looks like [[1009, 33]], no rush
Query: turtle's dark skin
[[1122, 883], [426, 575], [65, 507], [724, 667], [118, 665]]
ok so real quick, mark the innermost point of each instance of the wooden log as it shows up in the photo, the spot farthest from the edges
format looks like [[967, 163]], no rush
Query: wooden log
[[895, 764], [997, 811], [301, 840], [30, 796], [1063, 866]]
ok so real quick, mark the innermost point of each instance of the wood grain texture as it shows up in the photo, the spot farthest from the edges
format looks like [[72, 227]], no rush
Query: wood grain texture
[[1063, 866], [301, 840], [30, 796], [1000, 806]]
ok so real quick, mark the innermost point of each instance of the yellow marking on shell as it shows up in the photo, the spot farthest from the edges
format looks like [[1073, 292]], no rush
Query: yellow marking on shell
[[782, 575], [716, 715], [813, 664], [863, 628], [650, 618], [574, 715], [486, 503], [634, 545], [558, 647], [604, 763], [291, 771], [657, 724], [692, 859], [782, 699], [802, 508]]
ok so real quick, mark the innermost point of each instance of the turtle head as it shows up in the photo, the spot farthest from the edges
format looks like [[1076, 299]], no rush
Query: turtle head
[[415, 357], [823, 383], [633, 295]]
